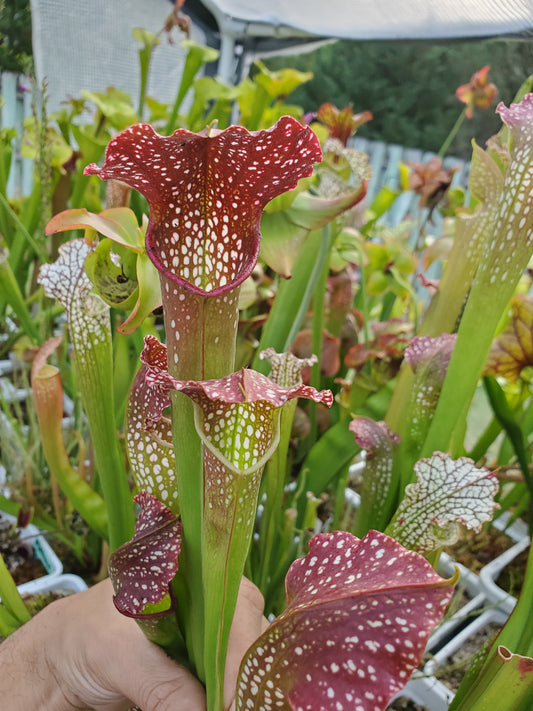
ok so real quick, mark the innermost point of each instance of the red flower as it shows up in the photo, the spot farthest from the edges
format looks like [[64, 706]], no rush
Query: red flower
[[479, 92], [341, 123]]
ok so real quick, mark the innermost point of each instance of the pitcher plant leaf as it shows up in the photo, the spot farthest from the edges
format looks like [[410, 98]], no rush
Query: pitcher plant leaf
[[142, 569], [380, 444], [512, 350], [236, 416], [449, 493], [358, 615], [206, 193], [149, 440]]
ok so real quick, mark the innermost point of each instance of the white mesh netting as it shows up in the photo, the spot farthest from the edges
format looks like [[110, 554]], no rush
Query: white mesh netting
[[87, 44]]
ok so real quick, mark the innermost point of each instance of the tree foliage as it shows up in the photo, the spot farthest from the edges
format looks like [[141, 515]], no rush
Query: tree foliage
[[15, 35], [410, 86]]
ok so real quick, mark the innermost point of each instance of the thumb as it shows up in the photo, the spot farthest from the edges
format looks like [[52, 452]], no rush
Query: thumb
[[248, 624], [103, 661], [154, 682]]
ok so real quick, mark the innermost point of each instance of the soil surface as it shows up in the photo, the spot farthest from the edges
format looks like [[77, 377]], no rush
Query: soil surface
[[36, 603], [27, 570], [511, 579], [18, 554], [452, 674], [405, 704], [475, 550]]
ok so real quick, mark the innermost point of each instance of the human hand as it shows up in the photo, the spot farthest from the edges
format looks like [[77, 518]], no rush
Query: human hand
[[80, 652]]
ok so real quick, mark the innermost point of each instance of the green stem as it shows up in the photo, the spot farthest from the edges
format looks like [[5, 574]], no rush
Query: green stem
[[227, 535], [292, 299], [188, 584], [43, 257], [274, 478], [505, 417], [487, 437], [318, 327], [200, 334], [94, 371], [193, 63], [505, 234], [8, 623], [11, 598], [483, 687], [10, 292], [453, 133], [338, 514]]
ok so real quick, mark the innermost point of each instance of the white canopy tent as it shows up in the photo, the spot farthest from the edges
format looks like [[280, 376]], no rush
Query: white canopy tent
[[88, 45], [365, 20]]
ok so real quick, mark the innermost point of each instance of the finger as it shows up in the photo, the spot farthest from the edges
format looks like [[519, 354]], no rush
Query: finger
[[162, 685], [143, 673], [104, 660], [248, 623]]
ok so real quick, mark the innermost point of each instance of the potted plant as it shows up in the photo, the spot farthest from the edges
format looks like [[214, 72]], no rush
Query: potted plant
[[207, 439]]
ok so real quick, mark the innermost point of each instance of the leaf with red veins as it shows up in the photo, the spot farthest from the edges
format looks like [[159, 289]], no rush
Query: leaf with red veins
[[149, 441], [206, 193], [236, 416], [512, 350], [449, 493], [358, 615], [142, 569]]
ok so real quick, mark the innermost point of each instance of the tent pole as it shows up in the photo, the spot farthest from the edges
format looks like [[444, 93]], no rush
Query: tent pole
[[226, 60]]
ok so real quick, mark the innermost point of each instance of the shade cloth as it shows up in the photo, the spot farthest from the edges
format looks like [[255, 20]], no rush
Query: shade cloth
[[384, 19], [365, 20], [88, 45]]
